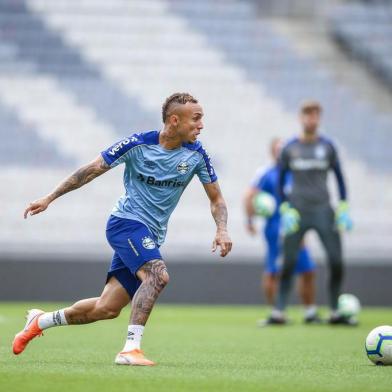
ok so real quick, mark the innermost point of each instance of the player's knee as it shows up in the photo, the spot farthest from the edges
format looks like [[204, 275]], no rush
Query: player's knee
[[308, 276], [165, 277], [287, 270], [155, 274], [337, 270], [159, 274], [105, 311], [271, 282], [110, 313], [161, 278]]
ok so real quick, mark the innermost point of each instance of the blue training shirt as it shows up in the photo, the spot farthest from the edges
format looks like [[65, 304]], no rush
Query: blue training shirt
[[154, 177]]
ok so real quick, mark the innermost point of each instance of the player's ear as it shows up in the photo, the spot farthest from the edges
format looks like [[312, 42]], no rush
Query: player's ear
[[174, 120]]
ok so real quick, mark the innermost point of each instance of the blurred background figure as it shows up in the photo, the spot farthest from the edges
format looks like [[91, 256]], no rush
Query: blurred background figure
[[266, 181], [308, 158], [76, 75]]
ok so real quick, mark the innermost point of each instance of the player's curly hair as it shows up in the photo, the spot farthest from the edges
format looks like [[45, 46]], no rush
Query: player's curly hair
[[176, 99]]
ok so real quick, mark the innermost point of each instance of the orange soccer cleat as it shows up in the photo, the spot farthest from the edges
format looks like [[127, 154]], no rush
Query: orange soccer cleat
[[133, 358], [30, 331]]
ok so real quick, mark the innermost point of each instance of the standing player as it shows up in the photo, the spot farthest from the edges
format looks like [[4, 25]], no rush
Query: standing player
[[158, 167], [309, 158], [267, 181]]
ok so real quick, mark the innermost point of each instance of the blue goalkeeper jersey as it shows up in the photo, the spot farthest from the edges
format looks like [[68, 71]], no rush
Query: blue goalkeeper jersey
[[154, 177]]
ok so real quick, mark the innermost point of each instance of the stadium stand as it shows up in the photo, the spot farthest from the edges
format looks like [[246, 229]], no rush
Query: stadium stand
[[364, 30], [50, 55], [271, 62], [27, 148], [81, 73]]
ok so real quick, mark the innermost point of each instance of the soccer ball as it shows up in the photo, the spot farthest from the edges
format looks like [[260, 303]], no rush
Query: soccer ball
[[379, 345], [348, 305], [264, 204]]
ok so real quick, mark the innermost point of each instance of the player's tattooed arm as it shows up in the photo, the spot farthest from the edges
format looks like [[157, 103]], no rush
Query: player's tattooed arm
[[80, 177], [77, 179], [219, 213]]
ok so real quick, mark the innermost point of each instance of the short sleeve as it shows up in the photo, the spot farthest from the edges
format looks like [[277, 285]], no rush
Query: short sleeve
[[204, 170], [120, 152], [258, 177]]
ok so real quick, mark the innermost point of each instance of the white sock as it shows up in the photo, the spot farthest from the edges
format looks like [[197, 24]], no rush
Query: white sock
[[310, 310], [52, 319], [134, 337]]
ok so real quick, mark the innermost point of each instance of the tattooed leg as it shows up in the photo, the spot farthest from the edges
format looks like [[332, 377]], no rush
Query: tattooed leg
[[154, 278], [113, 298]]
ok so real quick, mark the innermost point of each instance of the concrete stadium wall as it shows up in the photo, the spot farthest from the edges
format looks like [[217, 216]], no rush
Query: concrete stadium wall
[[205, 283]]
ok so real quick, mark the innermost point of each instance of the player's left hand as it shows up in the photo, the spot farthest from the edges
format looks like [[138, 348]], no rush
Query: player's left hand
[[222, 240], [342, 217]]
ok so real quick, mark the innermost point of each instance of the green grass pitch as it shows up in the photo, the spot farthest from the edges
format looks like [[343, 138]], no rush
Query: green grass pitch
[[197, 348]]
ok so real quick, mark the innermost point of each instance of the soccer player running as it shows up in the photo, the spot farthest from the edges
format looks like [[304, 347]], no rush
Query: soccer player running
[[266, 180], [158, 167], [309, 158]]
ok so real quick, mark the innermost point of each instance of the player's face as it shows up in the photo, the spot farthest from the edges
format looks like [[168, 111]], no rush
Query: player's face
[[310, 121], [190, 122]]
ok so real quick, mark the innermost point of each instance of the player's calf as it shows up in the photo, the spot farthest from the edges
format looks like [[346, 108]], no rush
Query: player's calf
[[154, 278], [107, 306], [101, 310]]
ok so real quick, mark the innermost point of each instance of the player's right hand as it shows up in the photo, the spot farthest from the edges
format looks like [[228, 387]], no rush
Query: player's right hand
[[290, 219], [37, 206], [222, 240]]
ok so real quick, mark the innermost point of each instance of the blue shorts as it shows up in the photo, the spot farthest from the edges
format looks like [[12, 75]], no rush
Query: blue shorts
[[274, 250], [133, 246]]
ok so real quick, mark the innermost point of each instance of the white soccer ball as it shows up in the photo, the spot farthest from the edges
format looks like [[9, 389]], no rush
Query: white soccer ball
[[348, 305], [379, 345], [264, 204]]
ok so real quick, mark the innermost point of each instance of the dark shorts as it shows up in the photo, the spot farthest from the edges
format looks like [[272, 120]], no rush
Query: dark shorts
[[133, 246]]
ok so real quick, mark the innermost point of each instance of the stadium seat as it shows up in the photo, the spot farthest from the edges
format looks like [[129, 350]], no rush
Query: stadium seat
[[81, 74]]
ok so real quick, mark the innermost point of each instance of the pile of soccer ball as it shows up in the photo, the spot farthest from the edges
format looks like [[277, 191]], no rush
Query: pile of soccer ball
[[379, 341]]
